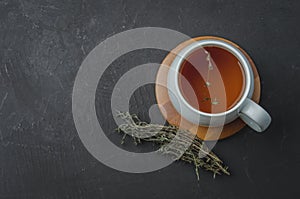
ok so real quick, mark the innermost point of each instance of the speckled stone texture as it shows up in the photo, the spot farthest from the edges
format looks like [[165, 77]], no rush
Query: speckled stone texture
[[43, 43]]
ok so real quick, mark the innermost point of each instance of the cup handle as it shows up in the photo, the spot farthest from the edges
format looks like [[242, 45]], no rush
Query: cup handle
[[255, 116]]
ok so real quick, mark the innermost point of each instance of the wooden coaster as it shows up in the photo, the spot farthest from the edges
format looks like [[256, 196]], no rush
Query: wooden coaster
[[174, 118]]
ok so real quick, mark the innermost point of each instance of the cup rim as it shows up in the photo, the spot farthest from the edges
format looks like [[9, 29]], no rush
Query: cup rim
[[185, 52]]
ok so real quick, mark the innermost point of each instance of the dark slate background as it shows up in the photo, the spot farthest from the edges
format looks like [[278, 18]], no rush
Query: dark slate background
[[43, 43]]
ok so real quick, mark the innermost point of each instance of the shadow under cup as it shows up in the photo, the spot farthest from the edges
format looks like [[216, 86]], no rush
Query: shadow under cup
[[212, 79]]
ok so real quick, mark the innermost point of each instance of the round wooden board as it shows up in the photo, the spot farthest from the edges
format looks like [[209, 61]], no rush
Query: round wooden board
[[174, 118]]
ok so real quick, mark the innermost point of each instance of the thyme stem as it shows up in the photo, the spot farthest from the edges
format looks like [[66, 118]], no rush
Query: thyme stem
[[197, 152]]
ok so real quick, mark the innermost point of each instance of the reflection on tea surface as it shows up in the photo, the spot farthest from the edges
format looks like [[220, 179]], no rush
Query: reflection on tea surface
[[206, 72]]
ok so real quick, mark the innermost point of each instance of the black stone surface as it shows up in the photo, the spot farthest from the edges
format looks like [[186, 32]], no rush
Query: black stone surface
[[42, 45]]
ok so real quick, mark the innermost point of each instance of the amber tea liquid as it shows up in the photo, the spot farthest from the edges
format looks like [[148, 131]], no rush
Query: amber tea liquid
[[212, 79]]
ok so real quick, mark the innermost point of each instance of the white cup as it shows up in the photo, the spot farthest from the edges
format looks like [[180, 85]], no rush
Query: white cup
[[250, 112]]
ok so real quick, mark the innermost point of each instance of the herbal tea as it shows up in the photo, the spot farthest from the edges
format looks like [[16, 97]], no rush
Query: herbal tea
[[212, 79]]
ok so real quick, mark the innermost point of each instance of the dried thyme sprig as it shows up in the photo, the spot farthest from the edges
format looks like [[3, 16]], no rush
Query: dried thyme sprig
[[197, 152]]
